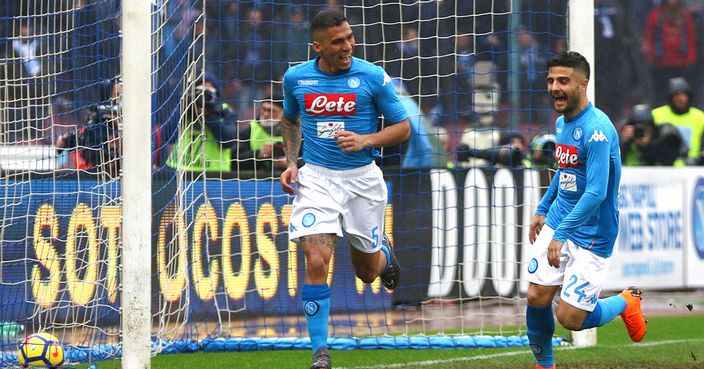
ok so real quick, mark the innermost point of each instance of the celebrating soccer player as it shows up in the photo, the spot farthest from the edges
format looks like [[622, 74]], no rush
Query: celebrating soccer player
[[339, 191], [576, 223]]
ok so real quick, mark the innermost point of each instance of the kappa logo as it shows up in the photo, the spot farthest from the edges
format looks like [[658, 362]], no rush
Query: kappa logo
[[598, 136], [387, 79]]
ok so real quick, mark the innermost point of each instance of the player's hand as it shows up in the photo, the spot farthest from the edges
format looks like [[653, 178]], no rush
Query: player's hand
[[350, 141], [288, 178], [554, 253], [627, 132], [266, 151], [536, 224]]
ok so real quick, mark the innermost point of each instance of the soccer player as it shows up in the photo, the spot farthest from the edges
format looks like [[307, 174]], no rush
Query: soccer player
[[576, 222], [339, 191]]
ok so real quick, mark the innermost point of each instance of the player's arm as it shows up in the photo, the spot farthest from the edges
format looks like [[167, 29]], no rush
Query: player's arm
[[597, 165], [391, 108], [389, 136], [536, 224], [291, 134], [549, 196]]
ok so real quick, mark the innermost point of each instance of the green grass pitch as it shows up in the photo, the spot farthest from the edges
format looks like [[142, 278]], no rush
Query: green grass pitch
[[671, 342]]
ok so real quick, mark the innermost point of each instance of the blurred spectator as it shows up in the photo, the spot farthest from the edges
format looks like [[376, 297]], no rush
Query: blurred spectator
[[293, 47], [685, 117], [542, 147], [260, 145], [95, 147], [613, 39], [534, 105], [254, 59], [403, 60], [670, 43], [423, 149], [643, 143], [24, 78], [208, 131]]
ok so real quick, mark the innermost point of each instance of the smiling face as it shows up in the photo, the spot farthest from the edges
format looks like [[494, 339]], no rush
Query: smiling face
[[568, 89], [335, 46]]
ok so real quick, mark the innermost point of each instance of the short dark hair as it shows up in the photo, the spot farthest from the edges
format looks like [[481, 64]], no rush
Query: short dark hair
[[326, 19], [570, 59]]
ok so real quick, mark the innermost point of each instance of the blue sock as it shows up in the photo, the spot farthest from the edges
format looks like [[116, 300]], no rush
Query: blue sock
[[605, 310], [388, 256], [541, 326], [316, 305]]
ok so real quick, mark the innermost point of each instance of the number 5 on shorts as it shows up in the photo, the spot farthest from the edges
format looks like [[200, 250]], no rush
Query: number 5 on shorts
[[375, 236]]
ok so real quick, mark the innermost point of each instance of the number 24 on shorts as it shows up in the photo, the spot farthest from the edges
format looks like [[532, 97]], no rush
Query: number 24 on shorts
[[579, 290]]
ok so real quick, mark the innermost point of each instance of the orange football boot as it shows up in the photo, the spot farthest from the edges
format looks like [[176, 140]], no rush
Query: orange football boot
[[633, 316], [542, 367]]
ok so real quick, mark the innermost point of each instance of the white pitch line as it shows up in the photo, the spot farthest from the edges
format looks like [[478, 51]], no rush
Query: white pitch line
[[507, 354]]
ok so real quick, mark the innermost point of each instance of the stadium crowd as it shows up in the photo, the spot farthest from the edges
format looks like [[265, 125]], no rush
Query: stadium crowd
[[476, 84]]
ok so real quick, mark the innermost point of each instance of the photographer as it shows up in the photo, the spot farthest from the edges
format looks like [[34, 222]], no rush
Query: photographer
[[509, 153], [261, 144], [645, 144], [208, 131], [96, 146], [542, 149]]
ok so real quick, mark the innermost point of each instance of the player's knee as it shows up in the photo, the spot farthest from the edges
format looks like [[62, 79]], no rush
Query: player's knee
[[316, 266], [537, 298], [367, 276], [570, 321]]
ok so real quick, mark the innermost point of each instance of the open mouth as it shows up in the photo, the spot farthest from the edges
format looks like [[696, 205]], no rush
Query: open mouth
[[559, 99]]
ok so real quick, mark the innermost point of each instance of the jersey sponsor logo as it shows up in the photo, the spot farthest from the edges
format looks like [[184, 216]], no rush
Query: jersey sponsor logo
[[330, 104], [568, 182], [328, 129], [567, 156], [598, 136], [577, 133], [307, 82]]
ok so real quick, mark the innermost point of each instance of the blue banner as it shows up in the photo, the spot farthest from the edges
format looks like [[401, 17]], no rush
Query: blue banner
[[225, 251]]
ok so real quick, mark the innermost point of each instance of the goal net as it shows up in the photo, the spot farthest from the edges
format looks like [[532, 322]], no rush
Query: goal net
[[224, 275]]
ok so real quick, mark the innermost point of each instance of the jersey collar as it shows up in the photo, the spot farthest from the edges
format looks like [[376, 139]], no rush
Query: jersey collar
[[579, 116]]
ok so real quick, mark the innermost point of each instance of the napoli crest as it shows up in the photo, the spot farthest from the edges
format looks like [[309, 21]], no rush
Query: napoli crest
[[537, 350], [353, 82], [533, 265], [308, 220], [698, 217], [577, 133], [311, 307]]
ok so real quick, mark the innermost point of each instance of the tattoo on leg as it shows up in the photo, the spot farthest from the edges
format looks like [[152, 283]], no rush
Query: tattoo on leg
[[327, 240]]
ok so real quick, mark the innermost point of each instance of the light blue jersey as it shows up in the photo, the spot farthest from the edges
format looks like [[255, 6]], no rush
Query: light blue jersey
[[327, 103], [582, 202]]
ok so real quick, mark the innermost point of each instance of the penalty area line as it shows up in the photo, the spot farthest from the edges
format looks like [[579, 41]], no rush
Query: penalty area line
[[525, 351]]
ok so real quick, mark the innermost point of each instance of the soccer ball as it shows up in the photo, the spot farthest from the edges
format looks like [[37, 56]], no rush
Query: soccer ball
[[40, 349]]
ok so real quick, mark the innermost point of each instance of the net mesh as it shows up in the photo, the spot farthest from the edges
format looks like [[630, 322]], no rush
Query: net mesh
[[224, 273]]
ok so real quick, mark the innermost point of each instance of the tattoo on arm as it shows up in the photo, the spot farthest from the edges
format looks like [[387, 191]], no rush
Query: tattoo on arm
[[291, 133], [327, 240]]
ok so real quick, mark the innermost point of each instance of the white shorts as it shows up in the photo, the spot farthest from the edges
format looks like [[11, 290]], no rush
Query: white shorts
[[349, 203], [581, 274]]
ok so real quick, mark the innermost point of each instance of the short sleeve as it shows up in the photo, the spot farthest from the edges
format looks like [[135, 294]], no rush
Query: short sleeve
[[386, 99], [291, 108]]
